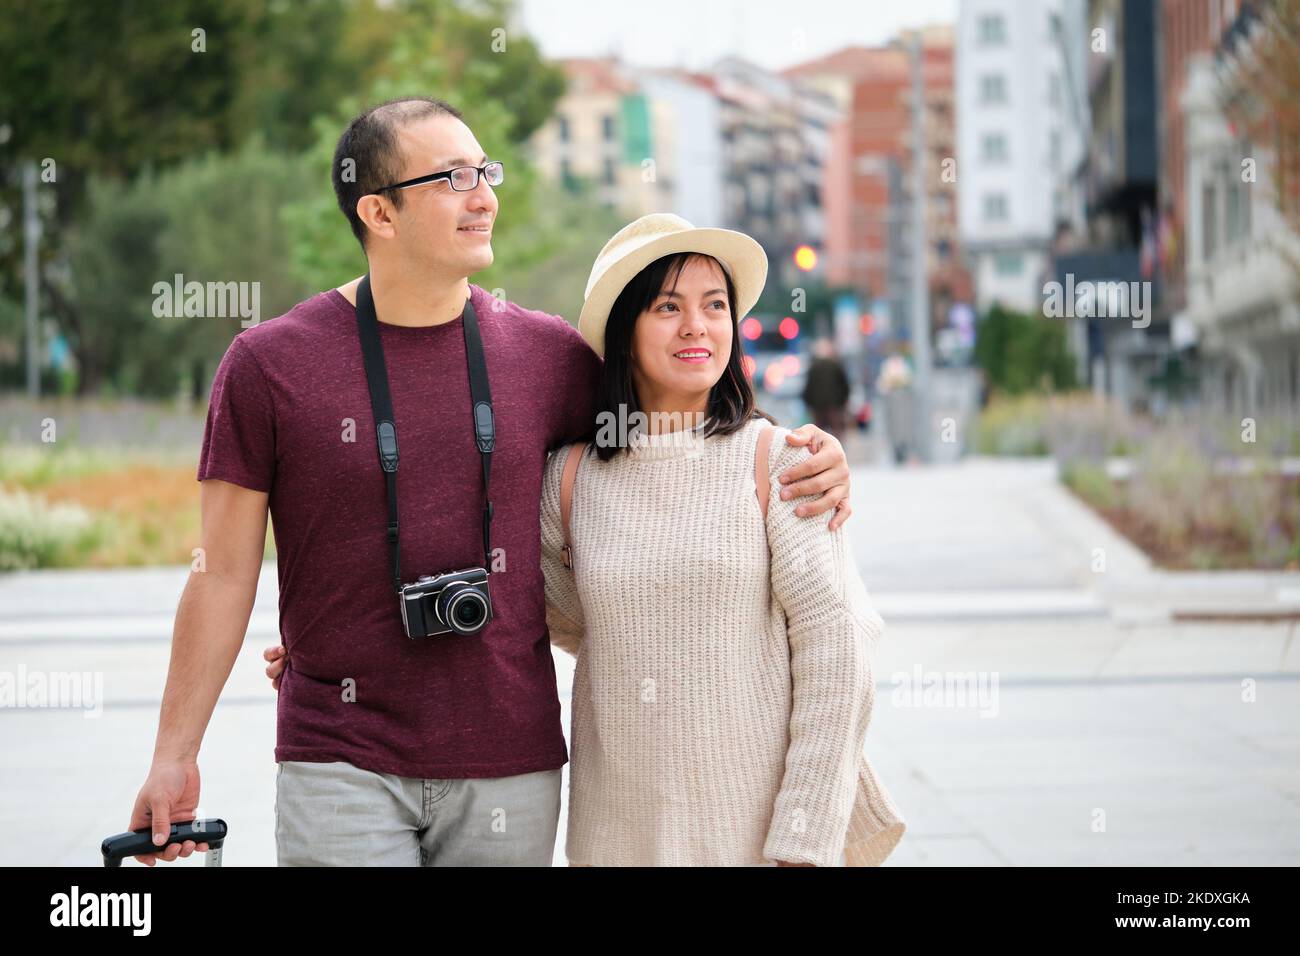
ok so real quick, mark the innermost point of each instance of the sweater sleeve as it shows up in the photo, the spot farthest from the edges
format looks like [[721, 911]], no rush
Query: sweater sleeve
[[564, 618], [832, 631]]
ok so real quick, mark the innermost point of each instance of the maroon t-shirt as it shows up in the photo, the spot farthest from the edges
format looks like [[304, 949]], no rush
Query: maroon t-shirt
[[290, 415]]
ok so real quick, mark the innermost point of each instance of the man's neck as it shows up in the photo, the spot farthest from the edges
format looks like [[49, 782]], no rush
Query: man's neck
[[400, 300]]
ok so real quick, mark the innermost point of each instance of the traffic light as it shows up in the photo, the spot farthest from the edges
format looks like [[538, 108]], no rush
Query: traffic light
[[805, 257]]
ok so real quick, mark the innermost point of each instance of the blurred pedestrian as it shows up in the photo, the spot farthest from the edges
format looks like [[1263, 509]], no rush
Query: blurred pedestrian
[[826, 392], [895, 385]]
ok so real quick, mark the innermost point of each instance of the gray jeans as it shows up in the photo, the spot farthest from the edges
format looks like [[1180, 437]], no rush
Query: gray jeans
[[335, 814]]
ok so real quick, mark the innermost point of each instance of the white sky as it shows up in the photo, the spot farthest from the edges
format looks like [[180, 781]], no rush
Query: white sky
[[695, 33]]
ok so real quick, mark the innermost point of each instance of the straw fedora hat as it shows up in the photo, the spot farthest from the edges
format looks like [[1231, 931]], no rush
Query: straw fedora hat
[[660, 234]]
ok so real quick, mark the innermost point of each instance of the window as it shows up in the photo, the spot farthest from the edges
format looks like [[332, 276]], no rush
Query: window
[[1232, 224], [993, 88], [607, 128], [567, 178], [1245, 209], [1054, 147], [1054, 89], [992, 30], [995, 207], [609, 172], [1007, 264], [993, 148], [564, 129], [1209, 221]]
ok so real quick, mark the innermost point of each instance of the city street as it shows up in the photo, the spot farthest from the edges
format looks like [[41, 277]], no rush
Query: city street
[[1123, 737]]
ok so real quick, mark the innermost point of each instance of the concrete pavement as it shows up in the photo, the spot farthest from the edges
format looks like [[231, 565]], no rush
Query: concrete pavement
[[1030, 708]]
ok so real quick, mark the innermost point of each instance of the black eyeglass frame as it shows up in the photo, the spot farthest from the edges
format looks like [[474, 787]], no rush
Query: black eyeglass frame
[[480, 172]]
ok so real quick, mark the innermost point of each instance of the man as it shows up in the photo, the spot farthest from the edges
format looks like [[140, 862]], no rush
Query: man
[[393, 751], [826, 392]]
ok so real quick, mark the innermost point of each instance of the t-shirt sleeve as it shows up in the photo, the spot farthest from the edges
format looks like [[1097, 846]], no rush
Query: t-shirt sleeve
[[576, 376], [239, 435]]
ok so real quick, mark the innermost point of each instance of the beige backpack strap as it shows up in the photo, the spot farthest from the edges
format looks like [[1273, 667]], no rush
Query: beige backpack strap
[[762, 482], [566, 498]]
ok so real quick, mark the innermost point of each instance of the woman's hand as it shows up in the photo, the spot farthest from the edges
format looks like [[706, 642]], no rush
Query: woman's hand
[[825, 472], [279, 659], [784, 863]]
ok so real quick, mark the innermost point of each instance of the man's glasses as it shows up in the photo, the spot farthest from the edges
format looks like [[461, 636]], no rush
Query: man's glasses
[[462, 178]]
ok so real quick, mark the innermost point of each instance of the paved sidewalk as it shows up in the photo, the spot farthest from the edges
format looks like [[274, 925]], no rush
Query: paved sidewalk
[[1109, 732], [1119, 735]]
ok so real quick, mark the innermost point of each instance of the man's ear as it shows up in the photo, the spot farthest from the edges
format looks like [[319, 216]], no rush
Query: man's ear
[[374, 212]]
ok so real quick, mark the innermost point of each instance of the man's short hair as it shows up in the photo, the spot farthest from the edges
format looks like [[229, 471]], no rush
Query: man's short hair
[[370, 142]]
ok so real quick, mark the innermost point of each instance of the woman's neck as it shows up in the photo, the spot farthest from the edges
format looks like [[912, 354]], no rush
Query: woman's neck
[[669, 415]]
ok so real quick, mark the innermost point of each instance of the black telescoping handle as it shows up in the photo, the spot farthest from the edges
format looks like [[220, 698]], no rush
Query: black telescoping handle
[[211, 831]]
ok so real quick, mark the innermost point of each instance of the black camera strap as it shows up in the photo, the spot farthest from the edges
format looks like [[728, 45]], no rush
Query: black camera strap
[[381, 405]]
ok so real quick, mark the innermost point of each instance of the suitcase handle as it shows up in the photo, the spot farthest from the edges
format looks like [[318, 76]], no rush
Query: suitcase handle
[[211, 831]]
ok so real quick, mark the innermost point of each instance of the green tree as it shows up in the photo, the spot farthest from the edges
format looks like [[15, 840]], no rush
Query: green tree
[[178, 221], [452, 52], [113, 91], [203, 241], [1023, 353], [150, 179]]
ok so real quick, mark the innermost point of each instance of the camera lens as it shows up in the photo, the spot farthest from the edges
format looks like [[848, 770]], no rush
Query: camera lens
[[465, 610]]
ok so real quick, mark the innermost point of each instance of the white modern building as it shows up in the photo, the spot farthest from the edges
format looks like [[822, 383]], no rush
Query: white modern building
[[642, 140], [690, 135], [1022, 114]]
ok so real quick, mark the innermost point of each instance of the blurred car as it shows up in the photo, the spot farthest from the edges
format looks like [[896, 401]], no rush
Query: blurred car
[[780, 364]]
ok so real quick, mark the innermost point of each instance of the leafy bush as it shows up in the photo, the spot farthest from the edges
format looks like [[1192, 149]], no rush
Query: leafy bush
[[1187, 511], [1022, 353], [1091, 483], [1013, 426], [1077, 426], [34, 534]]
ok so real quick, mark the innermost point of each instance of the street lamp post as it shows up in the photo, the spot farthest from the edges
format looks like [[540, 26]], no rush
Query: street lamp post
[[920, 280], [31, 274]]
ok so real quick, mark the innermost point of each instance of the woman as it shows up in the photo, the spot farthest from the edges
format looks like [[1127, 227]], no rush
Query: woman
[[723, 682]]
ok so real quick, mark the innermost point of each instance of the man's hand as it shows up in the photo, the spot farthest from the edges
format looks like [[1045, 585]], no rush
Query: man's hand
[[170, 793], [825, 472], [276, 655]]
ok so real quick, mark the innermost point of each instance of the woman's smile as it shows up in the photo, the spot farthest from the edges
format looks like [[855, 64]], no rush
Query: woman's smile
[[694, 356]]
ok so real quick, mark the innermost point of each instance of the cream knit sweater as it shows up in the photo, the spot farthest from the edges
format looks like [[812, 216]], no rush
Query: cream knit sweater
[[723, 682]]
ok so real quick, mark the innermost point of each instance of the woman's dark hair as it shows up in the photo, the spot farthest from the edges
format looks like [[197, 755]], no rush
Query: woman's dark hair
[[731, 400]]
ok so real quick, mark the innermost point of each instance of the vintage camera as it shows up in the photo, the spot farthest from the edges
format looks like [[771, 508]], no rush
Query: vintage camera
[[457, 602]]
